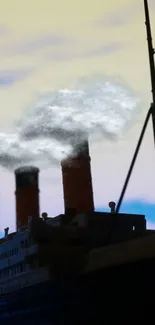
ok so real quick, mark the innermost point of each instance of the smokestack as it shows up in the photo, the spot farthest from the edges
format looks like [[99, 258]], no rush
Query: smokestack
[[27, 194], [77, 181]]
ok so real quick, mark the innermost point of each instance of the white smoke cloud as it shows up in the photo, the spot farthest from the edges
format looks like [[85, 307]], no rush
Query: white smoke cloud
[[97, 105]]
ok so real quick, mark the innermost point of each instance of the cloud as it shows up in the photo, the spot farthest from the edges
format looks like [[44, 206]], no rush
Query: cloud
[[9, 77], [98, 105], [41, 42], [116, 18], [123, 15], [36, 44], [106, 49], [60, 56]]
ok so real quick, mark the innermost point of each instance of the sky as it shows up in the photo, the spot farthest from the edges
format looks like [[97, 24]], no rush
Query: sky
[[46, 45]]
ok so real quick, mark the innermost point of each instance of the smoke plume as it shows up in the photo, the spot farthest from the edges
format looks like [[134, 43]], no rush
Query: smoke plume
[[96, 106]]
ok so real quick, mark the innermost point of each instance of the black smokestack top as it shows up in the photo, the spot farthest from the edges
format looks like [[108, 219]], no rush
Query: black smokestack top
[[77, 181], [26, 169], [27, 194]]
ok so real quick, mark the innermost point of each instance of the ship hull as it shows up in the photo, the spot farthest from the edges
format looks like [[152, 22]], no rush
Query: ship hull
[[119, 293]]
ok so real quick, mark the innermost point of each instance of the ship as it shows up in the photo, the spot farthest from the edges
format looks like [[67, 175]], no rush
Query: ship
[[82, 266]]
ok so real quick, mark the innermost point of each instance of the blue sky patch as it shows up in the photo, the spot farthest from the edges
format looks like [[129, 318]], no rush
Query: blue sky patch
[[136, 207]]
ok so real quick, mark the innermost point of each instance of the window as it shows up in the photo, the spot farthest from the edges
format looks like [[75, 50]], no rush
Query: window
[[26, 243], [22, 244], [15, 270], [21, 267], [24, 267]]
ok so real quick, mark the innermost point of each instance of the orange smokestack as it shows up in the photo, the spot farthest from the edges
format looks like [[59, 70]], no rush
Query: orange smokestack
[[27, 194], [77, 181]]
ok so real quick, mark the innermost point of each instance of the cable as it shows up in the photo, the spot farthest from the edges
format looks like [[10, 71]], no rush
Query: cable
[[114, 220], [133, 160]]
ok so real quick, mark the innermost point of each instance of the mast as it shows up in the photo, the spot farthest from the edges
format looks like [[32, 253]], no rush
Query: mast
[[151, 111], [151, 52]]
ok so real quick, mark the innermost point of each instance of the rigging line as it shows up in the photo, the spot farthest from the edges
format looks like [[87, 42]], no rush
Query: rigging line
[[151, 50], [151, 111], [151, 53], [134, 158]]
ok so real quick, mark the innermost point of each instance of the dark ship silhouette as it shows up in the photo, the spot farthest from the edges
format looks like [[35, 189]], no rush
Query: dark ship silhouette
[[81, 267]]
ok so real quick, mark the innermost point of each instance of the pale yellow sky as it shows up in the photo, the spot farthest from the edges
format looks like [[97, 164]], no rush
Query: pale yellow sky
[[78, 22], [81, 27]]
